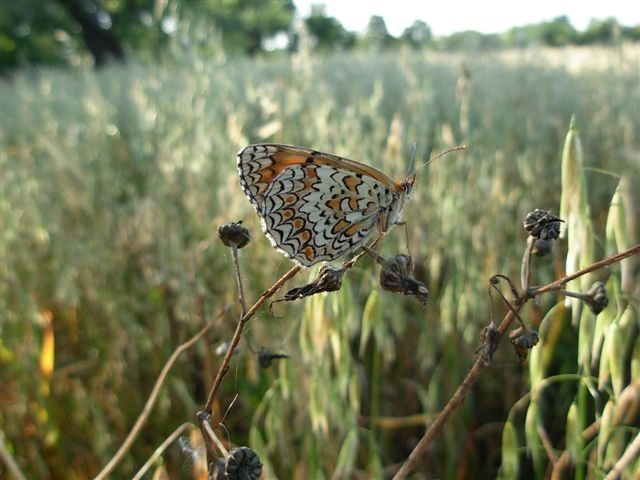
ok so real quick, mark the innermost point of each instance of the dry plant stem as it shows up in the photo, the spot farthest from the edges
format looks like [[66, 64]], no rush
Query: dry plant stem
[[525, 272], [511, 307], [434, 429], [9, 461], [393, 423], [204, 419], [236, 263], [224, 367], [151, 401], [559, 284], [161, 449], [630, 454], [546, 444], [420, 449]]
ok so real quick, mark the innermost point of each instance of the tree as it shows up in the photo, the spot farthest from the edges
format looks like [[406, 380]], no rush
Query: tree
[[66, 32], [418, 35], [28, 35], [558, 32], [245, 24], [377, 35], [600, 31], [96, 30], [328, 32]]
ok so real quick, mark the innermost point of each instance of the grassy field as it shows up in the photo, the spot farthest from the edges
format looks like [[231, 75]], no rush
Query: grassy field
[[113, 185]]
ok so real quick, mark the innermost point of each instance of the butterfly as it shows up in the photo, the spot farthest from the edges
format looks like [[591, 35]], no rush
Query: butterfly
[[315, 206]]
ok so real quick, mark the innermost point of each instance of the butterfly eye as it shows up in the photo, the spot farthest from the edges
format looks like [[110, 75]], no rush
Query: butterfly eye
[[407, 185]]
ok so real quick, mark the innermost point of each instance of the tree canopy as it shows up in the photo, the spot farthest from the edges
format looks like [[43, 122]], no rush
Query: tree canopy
[[72, 32]]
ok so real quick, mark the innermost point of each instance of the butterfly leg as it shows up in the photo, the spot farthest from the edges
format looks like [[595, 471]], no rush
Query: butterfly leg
[[374, 248], [406, 236]]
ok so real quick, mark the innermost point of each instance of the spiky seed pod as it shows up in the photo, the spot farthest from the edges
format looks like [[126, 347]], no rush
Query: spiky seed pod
[[266, 358], [542, 224], [243, 463], [234, 234], [597, 300], [395, 276], [329, 280]]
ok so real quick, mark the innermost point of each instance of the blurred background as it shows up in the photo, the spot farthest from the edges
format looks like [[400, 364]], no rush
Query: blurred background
[[120, 121]]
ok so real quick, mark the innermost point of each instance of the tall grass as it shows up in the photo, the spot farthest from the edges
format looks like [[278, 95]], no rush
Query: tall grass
[[113, 184]]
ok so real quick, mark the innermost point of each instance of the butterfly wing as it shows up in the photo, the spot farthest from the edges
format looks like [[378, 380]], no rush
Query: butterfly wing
[[315, 206]]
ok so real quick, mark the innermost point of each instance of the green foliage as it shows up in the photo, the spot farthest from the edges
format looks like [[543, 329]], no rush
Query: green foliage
[[113, 184], [418, 35], [148, 30], [246, 23], [48, 32], [37, 34], [327, 32], [601, 355], [603, 32], [376, 35]]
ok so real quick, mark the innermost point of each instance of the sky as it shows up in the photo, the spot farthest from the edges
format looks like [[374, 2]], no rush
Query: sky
[[486, 16]]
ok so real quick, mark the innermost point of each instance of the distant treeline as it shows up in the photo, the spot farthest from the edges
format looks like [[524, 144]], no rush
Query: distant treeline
[[98, 32]]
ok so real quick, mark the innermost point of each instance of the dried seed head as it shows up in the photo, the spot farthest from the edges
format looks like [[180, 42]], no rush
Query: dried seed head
[[243, 463], [266, 358], [597, 297], [542, 224], [234, 234], [329, 280], [490, 337], [395, 276], [541, 247], [523, 339]]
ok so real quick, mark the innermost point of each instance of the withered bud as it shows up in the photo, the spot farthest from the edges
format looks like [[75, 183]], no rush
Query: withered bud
[[523, 339], [597, 297], [329, 280], [490, 337], [395, 276], [222, 349], [541, 247], [542, 224], [243, 463], [266, 358], [234, 234]]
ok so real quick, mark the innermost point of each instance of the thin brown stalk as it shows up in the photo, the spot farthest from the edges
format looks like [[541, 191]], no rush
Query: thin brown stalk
[[158, 452], [151, 400], [236, 263], [559, 284], [434, 429], [224, 367]]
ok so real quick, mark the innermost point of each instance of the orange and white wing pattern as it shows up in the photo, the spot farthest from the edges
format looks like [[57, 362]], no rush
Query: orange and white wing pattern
[[315, 206]]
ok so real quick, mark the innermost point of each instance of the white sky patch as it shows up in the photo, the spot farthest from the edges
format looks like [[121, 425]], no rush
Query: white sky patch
[[487, 16]]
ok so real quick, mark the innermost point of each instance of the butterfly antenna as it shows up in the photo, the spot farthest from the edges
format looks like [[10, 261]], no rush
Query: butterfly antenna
[[436, 157]]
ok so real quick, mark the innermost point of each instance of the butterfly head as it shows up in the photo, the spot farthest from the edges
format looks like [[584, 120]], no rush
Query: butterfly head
[[407, 184]]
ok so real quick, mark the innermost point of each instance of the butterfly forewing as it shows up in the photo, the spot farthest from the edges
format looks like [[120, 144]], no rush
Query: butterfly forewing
[[315, 206]]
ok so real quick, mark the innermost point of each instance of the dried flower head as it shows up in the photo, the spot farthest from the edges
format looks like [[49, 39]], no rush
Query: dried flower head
[[395, 276], [266, 358], [523, 339], [234, 234], [542, 224], [490, 337], [329, 280], [243, 463], [541, 247], [597, 297]]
